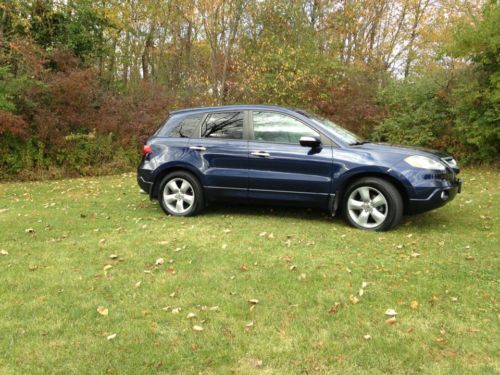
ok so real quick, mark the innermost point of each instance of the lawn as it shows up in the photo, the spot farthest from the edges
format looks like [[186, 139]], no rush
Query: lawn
[[242, 289]]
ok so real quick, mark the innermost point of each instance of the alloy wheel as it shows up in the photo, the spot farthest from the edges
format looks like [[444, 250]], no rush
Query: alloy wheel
[[178, 195], [367, 207]]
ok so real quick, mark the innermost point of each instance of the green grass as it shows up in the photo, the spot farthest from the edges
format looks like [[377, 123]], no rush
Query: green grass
[[52, 282]]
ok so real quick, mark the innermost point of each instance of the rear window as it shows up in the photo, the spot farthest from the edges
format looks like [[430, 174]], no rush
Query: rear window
[[227, 125], [187, 128]]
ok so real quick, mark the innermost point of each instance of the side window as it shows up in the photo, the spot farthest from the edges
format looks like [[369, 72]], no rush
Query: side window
[[279, 128], [187, 128], [226, 125]]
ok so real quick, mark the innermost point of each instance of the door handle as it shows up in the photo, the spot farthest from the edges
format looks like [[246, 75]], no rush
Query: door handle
[[262, 154], [197, 148]]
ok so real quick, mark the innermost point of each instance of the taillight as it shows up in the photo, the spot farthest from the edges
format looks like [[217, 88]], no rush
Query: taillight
[[146, 150]]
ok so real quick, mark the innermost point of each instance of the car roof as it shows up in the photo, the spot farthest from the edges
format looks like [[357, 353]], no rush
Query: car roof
[[234, 107]]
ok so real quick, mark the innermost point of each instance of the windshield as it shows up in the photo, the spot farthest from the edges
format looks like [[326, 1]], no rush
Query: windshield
[[341, 133]]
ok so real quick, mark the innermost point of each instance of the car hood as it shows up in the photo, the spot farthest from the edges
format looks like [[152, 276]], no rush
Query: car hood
[[402, 150]]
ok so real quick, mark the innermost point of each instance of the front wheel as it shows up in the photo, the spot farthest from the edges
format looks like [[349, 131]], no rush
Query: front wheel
[[373, 204], [180, 194]]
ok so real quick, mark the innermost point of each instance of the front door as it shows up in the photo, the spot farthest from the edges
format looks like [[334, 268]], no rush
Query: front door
[[280, 168]]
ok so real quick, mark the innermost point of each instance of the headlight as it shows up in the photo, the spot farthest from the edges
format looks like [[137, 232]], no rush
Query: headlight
[[423, 162]]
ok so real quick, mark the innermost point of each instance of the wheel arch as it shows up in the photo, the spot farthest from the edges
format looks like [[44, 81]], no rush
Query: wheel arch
[[165, 170], [348, 180]]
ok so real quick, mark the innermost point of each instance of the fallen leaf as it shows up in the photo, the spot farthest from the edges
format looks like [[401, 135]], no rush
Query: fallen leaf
[[159, 261], [473, 330], [113, 256], [270, 236], [334, 309], [391, 312], [414, 305], [4, 252], [391, 321], [102, 310], [191, 315], [226, 231], [249, 324], [348, 269], [262, 234], [197, 328], [367, 337], [137, 284], [364, 284], [293, 268], [353, 299], [253, 301], [111, 337], [224, 246], [361, 292], [107, 267], [442, 340], [177, 310], [214, 308], [29, 230], [469, 257], [302, 276], [414, 254]]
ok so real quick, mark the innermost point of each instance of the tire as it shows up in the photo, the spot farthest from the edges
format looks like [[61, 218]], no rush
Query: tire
[[180, 194], [372, 203]]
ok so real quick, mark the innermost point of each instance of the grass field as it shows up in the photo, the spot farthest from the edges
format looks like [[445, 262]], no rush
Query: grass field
[[322, 288]]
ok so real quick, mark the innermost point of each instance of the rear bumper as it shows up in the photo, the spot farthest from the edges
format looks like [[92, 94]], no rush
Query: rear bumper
[[438, 198], [144, 180]]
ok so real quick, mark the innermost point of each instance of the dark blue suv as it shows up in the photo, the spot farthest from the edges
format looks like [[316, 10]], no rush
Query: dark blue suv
[[278, 155]]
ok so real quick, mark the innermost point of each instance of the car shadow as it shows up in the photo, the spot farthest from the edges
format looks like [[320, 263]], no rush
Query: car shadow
[[423, 222], [273, 211]]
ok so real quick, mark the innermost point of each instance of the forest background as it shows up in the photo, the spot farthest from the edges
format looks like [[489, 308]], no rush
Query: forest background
[[83, 83]]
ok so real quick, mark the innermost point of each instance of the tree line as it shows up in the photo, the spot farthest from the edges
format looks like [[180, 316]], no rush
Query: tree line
[[83, 82]]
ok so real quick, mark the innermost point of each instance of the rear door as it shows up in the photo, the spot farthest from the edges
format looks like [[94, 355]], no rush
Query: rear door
[[280, 168], [221, 154]]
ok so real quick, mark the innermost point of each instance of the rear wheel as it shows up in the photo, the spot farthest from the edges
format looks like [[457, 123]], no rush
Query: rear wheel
[[180, 194], [373, 204]]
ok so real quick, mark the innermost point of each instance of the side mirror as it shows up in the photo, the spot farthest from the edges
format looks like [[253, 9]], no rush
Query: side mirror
[[308, 141]]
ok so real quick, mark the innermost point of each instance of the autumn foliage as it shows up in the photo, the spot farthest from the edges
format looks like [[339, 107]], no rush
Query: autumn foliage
[[83, 84]]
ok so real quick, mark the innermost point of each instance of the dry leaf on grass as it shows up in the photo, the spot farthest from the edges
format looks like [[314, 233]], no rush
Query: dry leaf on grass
[[103, 311], [391, 321], [111, 337], [414, 305], [391, 312], [4, 252], [159, 261], [353, 299], [197, 328]]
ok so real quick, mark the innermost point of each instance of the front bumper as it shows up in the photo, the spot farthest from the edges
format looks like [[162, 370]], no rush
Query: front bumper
[[438, 198]]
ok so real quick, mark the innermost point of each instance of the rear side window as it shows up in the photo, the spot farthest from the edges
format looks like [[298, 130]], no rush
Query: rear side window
[[187, 128], [226, 125]]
